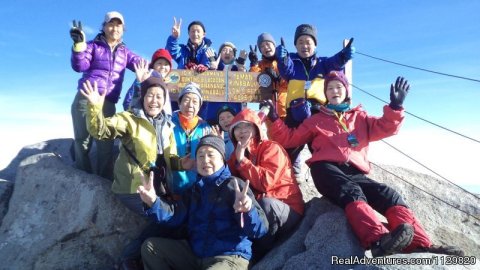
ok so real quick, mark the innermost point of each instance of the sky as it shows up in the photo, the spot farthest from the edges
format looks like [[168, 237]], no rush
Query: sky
[[38, 84]]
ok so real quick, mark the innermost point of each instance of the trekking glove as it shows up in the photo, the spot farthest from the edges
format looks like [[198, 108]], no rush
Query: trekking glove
[[252, 56], [398, 92], [281, 52], [348, 51], [78, 37]]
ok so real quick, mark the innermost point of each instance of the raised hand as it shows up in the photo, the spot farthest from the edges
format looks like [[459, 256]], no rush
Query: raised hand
[[252, 56], [147, 191], [272, 114], [348, 51], [217, 131], [281, 51], [76, 32], [141, 70], [240, 150], [91, 93], [242, 58], [398, 92], [176, 27], [211, 57], [243, 202], [187, 163]]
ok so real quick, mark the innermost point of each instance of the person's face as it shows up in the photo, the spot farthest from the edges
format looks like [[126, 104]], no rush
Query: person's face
[[267, 48], [113, 30], [225, 119], [209, 160], [227, 55], [336, 92], [196, 34], [305, 46], [244, 132], [153, 101], [162, 66], [190, 105]]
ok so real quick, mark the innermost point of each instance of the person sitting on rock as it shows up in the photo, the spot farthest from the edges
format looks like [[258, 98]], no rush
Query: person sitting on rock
[[340, 136], [188, 129], [266, 164], [148, 144], [218, 234]]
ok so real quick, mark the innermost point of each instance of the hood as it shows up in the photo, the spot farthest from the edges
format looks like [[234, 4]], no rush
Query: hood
[[247, 115]]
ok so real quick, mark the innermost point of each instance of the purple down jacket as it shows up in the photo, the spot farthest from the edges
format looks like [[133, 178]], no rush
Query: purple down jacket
[[99, 63]]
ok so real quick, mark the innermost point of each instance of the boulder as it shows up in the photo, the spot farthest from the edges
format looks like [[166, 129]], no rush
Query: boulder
[[59, 147], [63, 218], [449, 214], [6, 189], [68, 219]]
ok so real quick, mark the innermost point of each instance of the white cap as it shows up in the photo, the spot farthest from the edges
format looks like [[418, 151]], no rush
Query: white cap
[[113, 15]]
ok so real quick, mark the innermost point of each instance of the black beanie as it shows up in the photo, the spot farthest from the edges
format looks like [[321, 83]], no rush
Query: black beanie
[[196, 23], [213, 141], [306, 29], [225, 108]]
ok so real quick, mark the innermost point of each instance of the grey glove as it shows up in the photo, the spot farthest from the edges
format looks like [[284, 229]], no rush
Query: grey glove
[[398, 92]]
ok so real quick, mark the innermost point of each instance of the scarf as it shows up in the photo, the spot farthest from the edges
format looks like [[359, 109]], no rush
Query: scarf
[[188, 124]]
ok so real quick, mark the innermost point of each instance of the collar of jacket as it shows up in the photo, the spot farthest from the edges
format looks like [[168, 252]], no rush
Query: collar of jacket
[[216, 178], [100, 38], [327, 111]]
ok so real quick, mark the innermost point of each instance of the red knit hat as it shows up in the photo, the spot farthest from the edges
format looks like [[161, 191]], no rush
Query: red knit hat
[[338, 76], [161, 53]]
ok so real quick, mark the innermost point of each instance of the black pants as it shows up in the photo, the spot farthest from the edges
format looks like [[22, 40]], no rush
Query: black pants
[[343, 184]]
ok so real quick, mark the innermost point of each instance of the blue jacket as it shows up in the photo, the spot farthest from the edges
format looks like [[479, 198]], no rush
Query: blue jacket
[[294, 72], [213, 226], [183, 180], [182, 52]]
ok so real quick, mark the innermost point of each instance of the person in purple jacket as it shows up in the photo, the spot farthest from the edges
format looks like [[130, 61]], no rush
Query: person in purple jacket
[[102, 60]]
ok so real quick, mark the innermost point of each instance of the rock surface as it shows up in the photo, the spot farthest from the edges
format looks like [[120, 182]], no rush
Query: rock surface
[[62, 218], [67, 219]]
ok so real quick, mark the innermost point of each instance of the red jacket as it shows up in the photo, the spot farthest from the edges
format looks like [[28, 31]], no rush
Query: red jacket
[[267, 167], [329, 139]]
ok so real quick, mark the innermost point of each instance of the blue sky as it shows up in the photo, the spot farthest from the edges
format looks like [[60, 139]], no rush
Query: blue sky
[[38, 84]]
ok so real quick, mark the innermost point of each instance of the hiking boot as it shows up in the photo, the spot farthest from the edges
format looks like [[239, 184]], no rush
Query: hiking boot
[[439, 249], [393, 242]]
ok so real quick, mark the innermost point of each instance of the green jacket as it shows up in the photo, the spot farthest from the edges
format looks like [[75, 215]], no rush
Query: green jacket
[[138, 135]]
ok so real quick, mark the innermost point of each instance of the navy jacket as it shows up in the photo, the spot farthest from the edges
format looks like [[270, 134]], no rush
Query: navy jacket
[[213, 226]]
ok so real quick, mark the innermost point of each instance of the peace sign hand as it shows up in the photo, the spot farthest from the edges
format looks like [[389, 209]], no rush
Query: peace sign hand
[[243, 202], [91, 93], [146, 191], [176, 27], [252, 56], [76, 32]]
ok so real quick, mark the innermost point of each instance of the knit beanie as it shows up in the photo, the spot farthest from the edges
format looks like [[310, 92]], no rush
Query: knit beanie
[[161, 53], [191, 88], [229, 44], [213, 141], [196, 23], [306, 29], [265, 37], [338, 76], [225, 108], [154, 80]]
